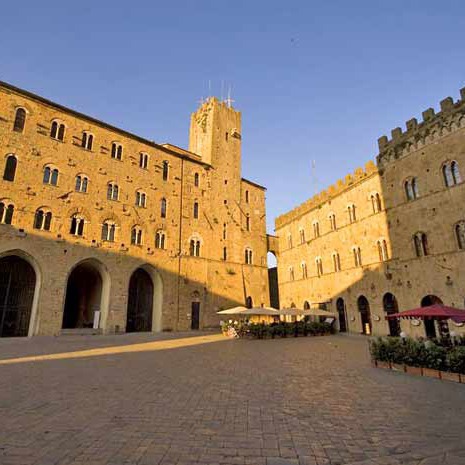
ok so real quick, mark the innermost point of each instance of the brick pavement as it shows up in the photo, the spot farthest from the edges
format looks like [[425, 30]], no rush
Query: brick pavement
[[304, 401]]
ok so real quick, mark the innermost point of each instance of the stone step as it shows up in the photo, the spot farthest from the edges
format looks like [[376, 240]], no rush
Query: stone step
[[81, 332]]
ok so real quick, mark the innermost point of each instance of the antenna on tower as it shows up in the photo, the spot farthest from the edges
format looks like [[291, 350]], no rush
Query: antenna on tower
[[229, 100], [313, 177], [209, 88], [222, 86]]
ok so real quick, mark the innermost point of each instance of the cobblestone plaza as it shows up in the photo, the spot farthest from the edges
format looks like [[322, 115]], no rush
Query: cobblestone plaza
[[177, 399]]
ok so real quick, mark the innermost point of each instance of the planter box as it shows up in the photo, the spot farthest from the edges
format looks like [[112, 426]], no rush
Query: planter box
[[430, 373], [449, 376], [398, 367], [414, 370], [386, 365]]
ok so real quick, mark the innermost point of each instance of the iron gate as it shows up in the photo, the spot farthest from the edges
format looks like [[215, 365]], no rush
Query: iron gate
[[17, 285]]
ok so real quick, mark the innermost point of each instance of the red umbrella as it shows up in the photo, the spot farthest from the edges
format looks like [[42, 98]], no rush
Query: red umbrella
[[436, 312]]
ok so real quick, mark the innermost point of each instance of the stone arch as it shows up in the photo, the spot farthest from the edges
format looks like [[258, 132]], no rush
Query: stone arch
[[33, 323], [157, 295], [90, 279]]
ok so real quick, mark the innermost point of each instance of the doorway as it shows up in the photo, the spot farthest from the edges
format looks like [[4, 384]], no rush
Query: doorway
[[430, 327], [195, 315], [365, 315], [83, 297], [140, 302], [17, 287], [390, 306], [341, 311]]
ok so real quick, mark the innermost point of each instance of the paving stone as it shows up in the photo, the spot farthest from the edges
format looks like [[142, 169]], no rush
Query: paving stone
[[295, 401]]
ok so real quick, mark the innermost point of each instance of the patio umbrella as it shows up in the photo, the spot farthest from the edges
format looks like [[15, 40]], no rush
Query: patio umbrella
[[307, 312], [432, 312], [261, 311], [232, 311]]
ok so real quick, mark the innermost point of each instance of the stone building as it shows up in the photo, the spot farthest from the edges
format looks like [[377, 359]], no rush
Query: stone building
[[105, 230], [389, 237]]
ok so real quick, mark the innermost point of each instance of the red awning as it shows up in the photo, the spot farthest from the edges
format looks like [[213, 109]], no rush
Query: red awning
[[433, 312]]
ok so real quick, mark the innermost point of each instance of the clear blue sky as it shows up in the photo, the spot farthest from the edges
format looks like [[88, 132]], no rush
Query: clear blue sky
[[315, 80]]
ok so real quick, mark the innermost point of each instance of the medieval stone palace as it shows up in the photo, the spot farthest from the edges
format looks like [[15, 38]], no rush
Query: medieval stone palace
[[390, 236], [103, 230]]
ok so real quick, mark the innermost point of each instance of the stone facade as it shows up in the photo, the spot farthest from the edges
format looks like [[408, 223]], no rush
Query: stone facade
[[414, 190], [208, 205]]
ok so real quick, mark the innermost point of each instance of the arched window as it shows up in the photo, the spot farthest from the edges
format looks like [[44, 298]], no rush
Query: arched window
[[316, 229], [50, 176], [196, 180], [319, 266], [376, 202], [141, 199], [136, 235], [225, 253], [248, 256], [246, 196], [108, 231], [247, 222], [306, 305], [303, 266], [451, 173], [302, 236], [194, 247], [336, 262], [77, 225], [6, 212], [291, 273], [20, 120], [460, 234], [420, 241], [10, 168], [357, 256], [196, 210], [352, 214], [42, 219], [160, 240], [332, 221], [112, 191], [81, 183], [165, 170], [289, 240], [248, 302], [57, 131], [87, 140], [382, 250], [116, 151], [143, 160], [163, 208], [411, 189]]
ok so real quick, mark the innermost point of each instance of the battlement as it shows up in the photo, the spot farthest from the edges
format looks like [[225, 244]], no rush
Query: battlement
[[450, 116], [324, 196]]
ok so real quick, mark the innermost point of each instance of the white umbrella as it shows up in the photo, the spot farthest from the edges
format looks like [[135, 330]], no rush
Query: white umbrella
[[232, 311]]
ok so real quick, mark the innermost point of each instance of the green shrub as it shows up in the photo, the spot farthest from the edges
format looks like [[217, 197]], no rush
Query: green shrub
[[456, 360]]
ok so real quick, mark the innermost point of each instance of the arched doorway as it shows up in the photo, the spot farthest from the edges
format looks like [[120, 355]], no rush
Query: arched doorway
[[140, 302], [17, 288], [83, 297], [249, 302], [306, 305], [341, 311], [365, 314], [390, 306], [430, 327]]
